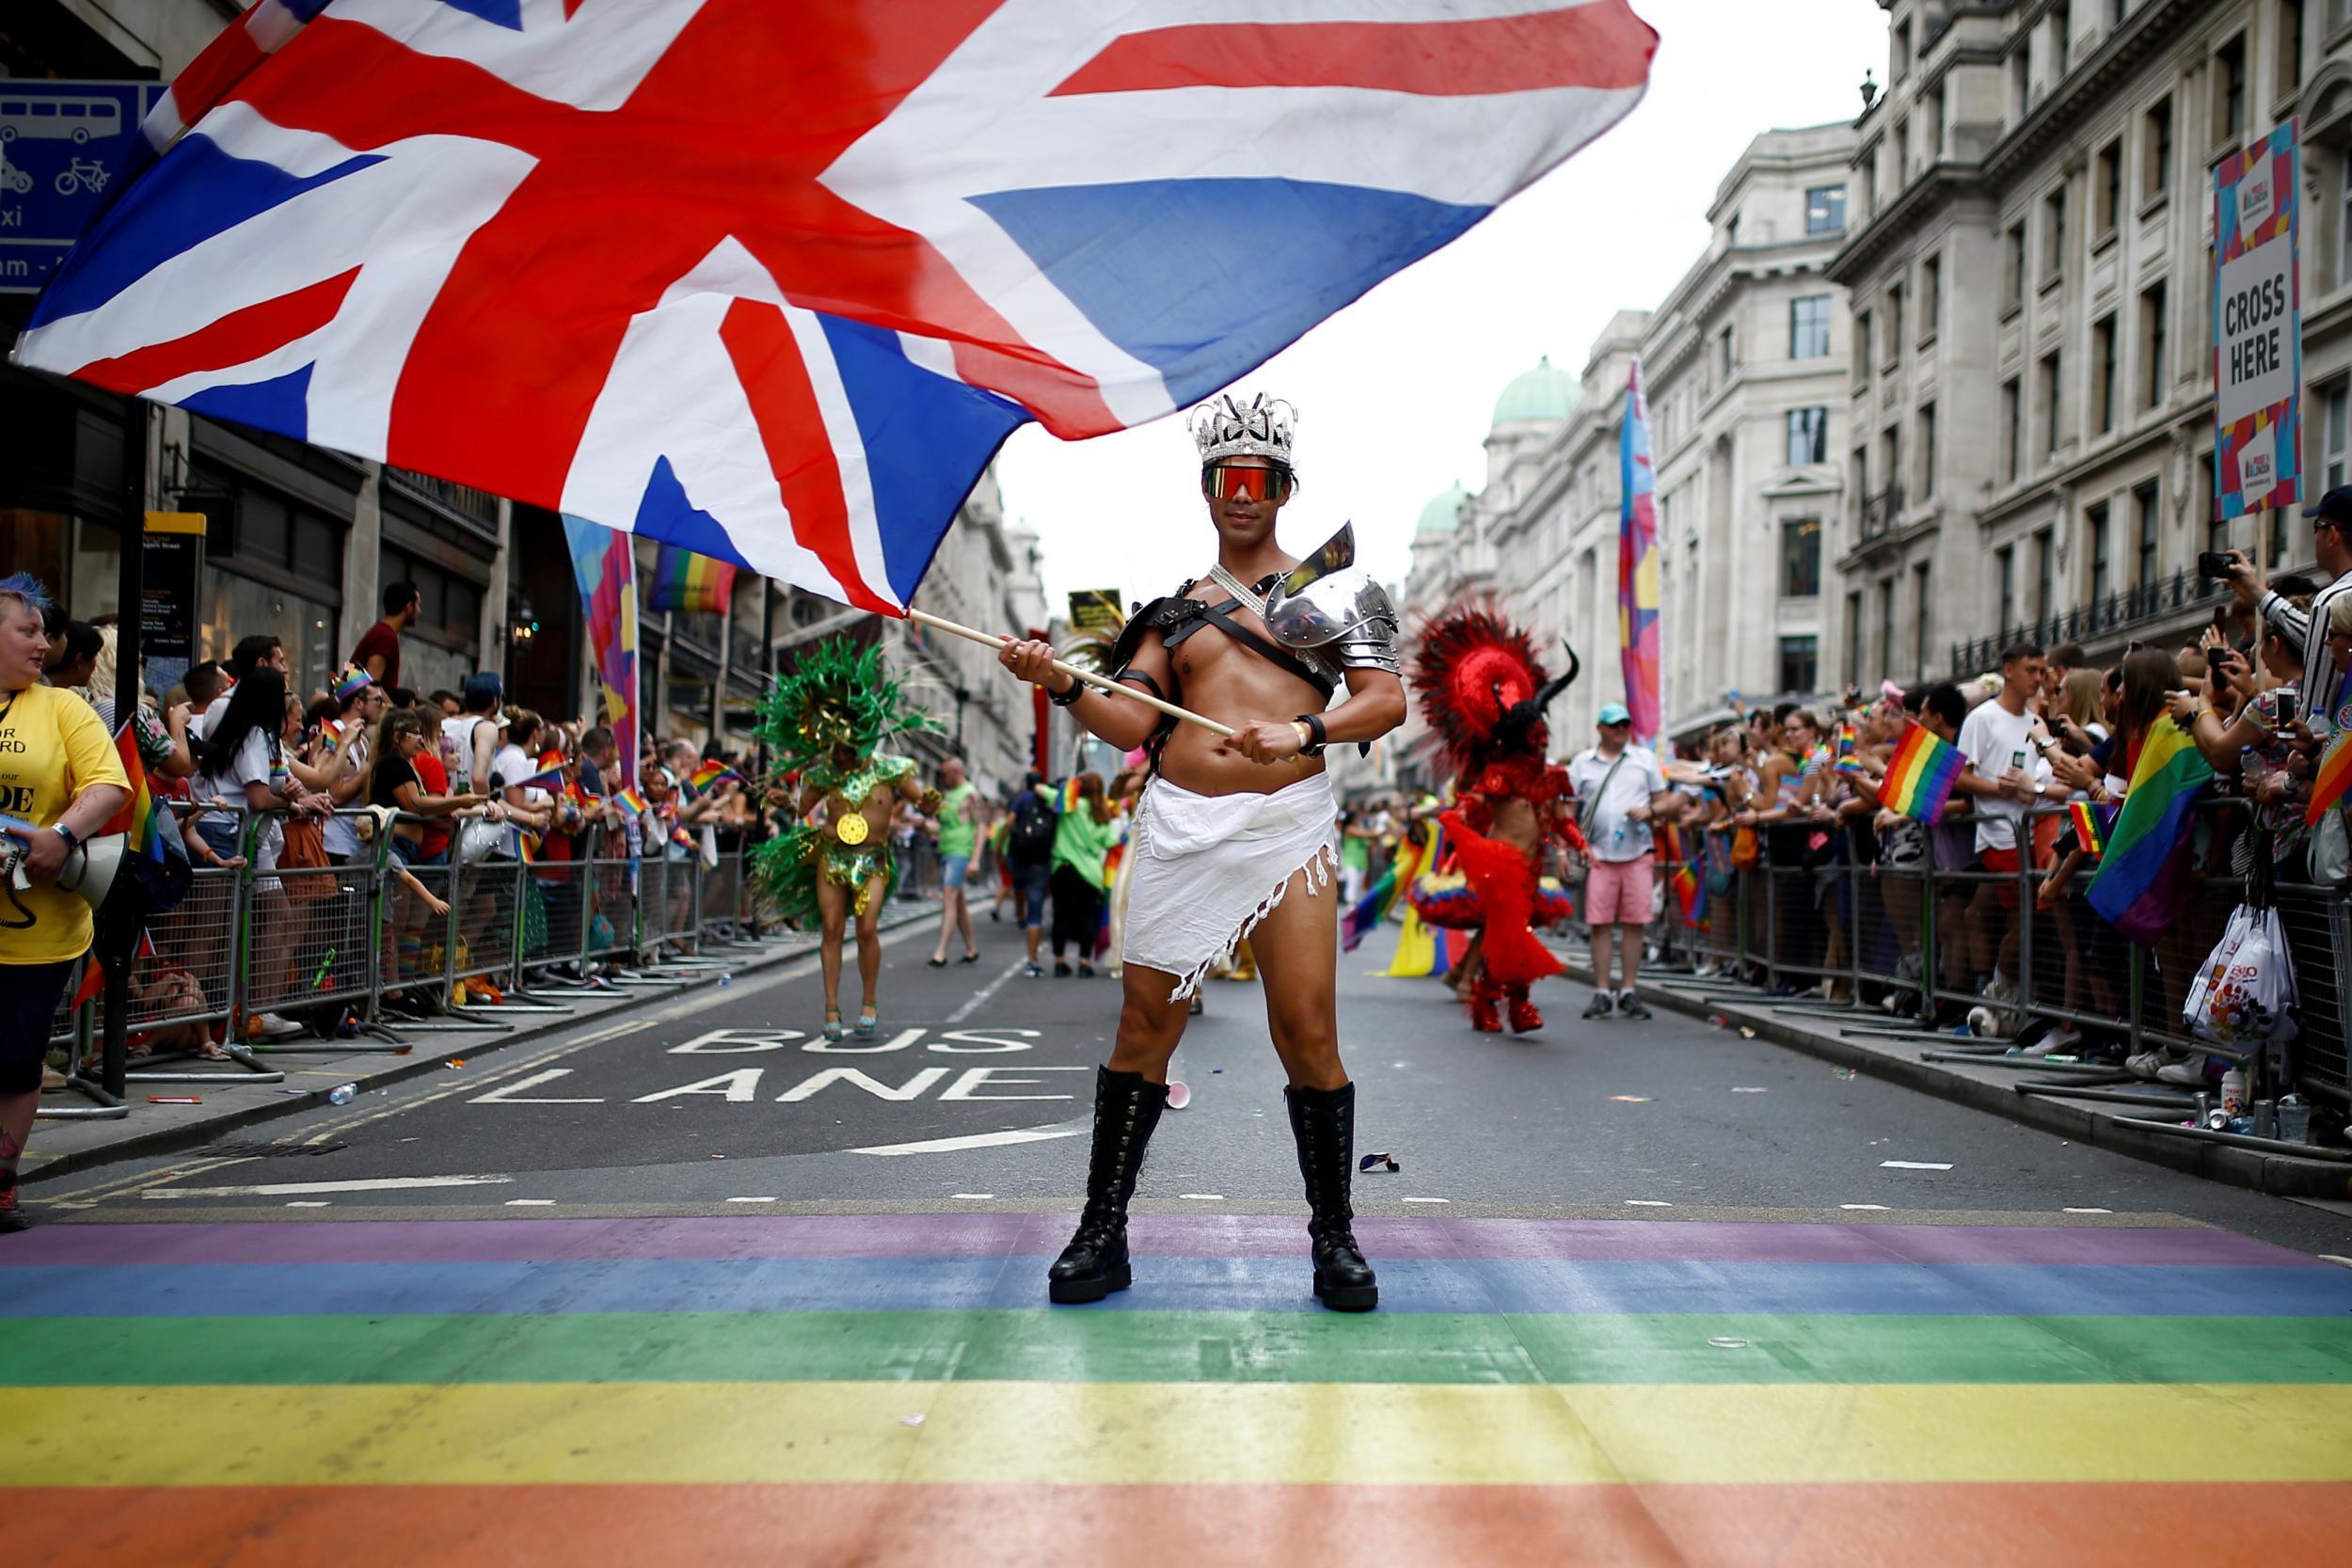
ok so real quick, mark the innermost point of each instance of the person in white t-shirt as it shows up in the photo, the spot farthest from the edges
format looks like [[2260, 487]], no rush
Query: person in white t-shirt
[[1997, 741], [1620, 790]]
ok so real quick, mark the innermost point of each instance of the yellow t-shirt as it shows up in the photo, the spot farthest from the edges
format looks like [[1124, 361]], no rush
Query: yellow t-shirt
[[52, 748]]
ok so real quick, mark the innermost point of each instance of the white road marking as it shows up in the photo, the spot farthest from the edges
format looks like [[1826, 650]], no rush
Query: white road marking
[[308, 1203], [973, 1196], [531, 1203], [1867, 1208], [1915, 1164], [2087, 1210], [1428, 1200], [975, 1140], [379, 1184], [512, 1094], [750, 1200], [2331, 1257], [980, 998], [1203, 1198], [1647, 1203]]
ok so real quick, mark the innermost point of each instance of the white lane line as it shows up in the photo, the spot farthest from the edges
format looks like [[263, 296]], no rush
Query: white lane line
[[975, 1140], [2331, 1257], [2086, 1211], [1428, 1200], [750, 1200], [1647, 1203], [308, 1203], [974, 1196], [1915, 1164], [980, 998], [280, 1189], [531, 1203], [1203, 1198], [1867, 1207]]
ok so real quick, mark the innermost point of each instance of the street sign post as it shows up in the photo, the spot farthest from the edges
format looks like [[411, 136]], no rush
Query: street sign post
[[62, 147], [175, 550], [2258, 338]]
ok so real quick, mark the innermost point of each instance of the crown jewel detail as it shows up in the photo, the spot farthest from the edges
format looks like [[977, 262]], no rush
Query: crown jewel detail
[[1223, 428]]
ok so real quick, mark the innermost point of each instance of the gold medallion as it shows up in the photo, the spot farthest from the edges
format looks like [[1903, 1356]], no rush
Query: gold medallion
[[849, 830]]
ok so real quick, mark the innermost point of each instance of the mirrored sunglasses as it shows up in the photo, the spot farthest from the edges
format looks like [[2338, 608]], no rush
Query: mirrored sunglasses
[[1228, 482]]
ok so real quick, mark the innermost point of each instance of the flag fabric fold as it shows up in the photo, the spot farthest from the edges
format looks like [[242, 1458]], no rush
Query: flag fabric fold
[[1638, 644], [574, 254], [2143, 877], [604, 564]]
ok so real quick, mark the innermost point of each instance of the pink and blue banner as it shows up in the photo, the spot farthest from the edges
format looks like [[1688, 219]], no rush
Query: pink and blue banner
[[1637, 563], [604, 564]]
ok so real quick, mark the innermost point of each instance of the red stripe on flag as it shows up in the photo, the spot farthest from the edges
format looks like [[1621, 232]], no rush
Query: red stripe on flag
[[768, 360], [1599, 45], [234, 339]]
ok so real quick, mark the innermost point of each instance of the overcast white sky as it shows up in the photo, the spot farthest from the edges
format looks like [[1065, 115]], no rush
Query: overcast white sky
[[1394, 392]]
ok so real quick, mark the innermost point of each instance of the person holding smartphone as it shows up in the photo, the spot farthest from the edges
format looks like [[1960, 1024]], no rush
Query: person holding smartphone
[[2306, 627], [1997, 741]]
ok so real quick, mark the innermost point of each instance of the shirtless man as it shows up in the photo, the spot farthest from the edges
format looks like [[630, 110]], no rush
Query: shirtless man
[[1234, 838]]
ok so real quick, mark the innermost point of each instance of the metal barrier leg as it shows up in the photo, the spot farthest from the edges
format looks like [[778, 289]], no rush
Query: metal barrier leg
[[103, 1106]]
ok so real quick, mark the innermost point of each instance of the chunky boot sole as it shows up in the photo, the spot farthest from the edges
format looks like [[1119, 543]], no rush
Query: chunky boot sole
[[1346, 1298], [1073, 1293]]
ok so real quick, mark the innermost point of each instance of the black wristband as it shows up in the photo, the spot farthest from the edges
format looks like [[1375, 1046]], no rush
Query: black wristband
[[1065, 699], [1316, 739]]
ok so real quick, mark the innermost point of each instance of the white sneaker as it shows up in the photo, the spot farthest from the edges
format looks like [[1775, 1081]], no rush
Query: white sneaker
[[2063, 1039], [2188, 1074], [276, 1025], [2145, 1064]]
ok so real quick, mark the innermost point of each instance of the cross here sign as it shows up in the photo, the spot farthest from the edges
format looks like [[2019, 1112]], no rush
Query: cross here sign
[[2258, 337]]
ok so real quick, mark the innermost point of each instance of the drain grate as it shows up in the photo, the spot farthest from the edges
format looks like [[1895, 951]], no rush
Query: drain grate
[[255, 1150]]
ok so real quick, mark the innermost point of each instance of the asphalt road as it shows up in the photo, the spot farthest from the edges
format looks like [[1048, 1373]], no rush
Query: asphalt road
[[976, 1090]]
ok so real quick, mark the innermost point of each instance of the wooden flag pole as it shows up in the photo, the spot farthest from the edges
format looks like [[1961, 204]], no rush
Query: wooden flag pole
[[1098, 681]]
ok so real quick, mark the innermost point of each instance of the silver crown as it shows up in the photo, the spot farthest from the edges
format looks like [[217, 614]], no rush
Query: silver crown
[[1222, 428]]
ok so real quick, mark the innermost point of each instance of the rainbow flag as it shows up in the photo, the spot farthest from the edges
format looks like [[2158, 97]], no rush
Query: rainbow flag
[[628, 796], [1069, 802], [1848, 752], [2143, 877], [1380, 899], [140, 817], [2334, 778], [710, 773], [604, 563], [1637, 561], [1690, 888], [1920, 775], [2092, 825], [689, 583]]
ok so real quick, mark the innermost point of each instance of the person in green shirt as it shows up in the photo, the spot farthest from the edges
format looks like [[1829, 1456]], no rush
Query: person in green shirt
[[1082, 842], [961, 809]]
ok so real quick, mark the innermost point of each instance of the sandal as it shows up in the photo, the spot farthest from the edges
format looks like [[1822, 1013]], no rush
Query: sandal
[[969, 959], [835, 1033], [867, 1021], [934, 963]]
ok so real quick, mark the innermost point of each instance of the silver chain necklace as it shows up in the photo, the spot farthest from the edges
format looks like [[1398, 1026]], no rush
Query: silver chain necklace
[[1248, 597]]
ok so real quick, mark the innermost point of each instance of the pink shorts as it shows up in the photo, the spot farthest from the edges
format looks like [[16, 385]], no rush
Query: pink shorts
[[1617, 892]]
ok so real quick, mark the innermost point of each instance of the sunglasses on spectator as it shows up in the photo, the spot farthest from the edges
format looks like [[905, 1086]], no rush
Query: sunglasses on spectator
[[1222, 482]]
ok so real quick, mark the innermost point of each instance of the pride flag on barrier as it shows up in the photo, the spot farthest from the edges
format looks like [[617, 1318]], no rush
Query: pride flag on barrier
[[2143, 877], [1920, 775]]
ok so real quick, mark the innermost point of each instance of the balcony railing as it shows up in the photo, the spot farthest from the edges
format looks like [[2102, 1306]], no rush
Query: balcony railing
[[1880, 512], [476, 506], [2116, 612]]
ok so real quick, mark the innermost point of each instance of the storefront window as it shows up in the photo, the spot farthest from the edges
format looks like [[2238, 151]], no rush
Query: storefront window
[[235, 606]]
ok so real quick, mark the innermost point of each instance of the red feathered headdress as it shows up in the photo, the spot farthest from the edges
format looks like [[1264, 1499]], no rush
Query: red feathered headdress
[[1481, 685]]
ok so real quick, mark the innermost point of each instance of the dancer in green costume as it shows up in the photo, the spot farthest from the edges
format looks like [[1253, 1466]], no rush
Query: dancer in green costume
[[824, 725]]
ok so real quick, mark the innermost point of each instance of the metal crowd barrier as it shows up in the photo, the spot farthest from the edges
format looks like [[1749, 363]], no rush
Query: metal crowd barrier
[[358, 954], [1845, 936]]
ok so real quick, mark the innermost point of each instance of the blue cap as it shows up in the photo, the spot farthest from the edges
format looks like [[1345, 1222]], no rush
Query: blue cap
[[1614, 713]]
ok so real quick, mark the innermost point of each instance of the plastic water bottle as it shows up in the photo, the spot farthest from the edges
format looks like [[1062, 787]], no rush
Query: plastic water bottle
[[2295, 1119], [342, 1094]]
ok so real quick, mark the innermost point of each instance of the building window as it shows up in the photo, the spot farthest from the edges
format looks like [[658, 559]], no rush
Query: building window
[[2053, 234], [2290, 35], [1927, 452], [2061, 40], [1798, 657], [1900, 62], [2013, 268], [1800, 557], [1893, 323], [2109, 189], [1899, 144], [1931, 141], [2096, 524], [2005, 577], [1861, 340], [1722, 358], [2335, 404], [2103, 393], [1808, 327], [1930, 297], [2044, 584], [1825, 208], [2153, 341], [1861, 475], [2013, 430], [2343, 223], [2155, 151], [2050, 366], [2229, 89], [2209, 508], [2019, 79], [1808, 436], [1922, 616], [1887, 627], [2147, 517], [1891, 440], [1854, 638]]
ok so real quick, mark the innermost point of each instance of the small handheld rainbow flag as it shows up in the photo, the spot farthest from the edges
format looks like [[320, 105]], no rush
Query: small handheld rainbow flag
[[628, 796], [140, 816], [682, 580], [2092, 825], [1920, 775], [1373, 907], [710, 773], [2334, 778], [1848, 748]]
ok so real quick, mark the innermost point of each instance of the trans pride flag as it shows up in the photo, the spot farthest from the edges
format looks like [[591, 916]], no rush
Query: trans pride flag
[[689, 583], [1637, 563], [604, 564]]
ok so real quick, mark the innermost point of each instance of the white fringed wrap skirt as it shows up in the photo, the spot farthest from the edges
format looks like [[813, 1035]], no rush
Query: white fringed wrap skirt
[[1207, 868]]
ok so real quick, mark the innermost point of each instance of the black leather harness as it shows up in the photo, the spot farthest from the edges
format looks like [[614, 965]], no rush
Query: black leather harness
[[1176, 618]]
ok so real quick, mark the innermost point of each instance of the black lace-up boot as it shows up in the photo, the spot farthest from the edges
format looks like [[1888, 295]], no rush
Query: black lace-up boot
[[1127, 1106], [1324, 1123]]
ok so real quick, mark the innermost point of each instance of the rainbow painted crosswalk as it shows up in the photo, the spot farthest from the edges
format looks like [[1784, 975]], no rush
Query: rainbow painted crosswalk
[[890, 1388]]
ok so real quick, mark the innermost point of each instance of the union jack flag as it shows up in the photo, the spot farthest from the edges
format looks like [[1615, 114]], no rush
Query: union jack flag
[[773, 279]]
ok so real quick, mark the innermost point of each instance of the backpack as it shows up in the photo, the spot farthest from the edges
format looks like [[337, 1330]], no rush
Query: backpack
[[1033, 830]]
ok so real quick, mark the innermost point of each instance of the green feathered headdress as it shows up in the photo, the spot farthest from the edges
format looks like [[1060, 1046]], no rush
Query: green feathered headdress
[[838, 694]]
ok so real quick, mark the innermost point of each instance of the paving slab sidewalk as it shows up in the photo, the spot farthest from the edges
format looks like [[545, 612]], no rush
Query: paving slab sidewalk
[[236, 1099]]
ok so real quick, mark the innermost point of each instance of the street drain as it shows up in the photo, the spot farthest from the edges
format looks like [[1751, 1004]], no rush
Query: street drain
[[252, 1151]]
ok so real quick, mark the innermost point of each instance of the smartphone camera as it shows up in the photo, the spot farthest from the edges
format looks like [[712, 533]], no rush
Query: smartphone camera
[[2213, 565]]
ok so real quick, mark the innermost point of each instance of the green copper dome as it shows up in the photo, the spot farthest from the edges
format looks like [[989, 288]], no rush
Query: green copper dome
[[1443, 513], [1542, 393]]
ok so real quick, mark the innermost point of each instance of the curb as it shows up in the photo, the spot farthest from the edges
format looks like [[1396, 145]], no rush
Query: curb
[[2277, 1175], [427, 1059]]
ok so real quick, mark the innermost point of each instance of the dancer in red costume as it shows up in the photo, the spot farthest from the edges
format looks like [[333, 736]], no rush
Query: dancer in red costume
[[1484, 691]]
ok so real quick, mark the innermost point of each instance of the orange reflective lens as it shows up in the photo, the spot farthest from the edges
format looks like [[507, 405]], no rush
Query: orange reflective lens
[[1230, 481]]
